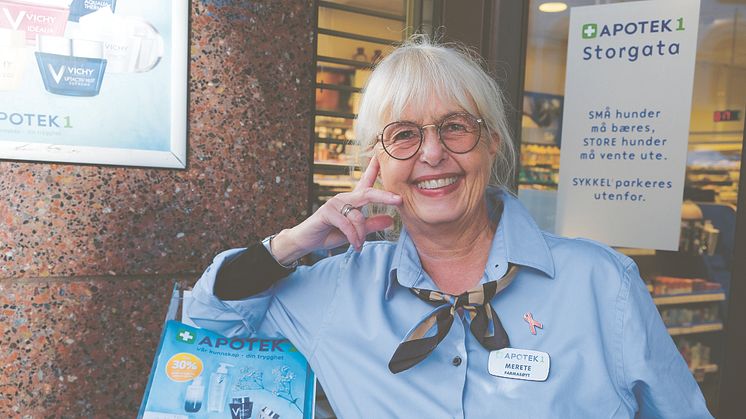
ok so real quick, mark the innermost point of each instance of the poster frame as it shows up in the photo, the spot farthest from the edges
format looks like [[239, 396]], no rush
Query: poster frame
[[174, 155]]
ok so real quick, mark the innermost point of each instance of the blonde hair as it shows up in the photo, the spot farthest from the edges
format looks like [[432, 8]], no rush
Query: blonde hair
[[421, 69]]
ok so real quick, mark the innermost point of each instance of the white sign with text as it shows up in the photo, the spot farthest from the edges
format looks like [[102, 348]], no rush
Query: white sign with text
[[628, 93]]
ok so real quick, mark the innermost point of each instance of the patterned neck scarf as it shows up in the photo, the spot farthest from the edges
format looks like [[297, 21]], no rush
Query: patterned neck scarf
[[484, 323]]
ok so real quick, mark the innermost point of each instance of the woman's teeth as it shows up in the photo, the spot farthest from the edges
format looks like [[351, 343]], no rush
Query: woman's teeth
[[436, 183]]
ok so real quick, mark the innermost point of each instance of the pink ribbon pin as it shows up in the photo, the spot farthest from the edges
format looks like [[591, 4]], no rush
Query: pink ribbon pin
[[532, 324]]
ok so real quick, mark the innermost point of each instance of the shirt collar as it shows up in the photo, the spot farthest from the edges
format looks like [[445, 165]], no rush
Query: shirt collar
[[517, 240]]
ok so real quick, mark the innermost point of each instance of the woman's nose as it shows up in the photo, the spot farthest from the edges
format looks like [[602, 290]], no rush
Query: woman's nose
[[432, 151]]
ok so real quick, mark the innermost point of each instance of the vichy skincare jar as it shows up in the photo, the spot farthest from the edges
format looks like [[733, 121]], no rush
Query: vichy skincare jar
[[12, 58], [131, 45], [80, 8], [35, 17], [71, 67]]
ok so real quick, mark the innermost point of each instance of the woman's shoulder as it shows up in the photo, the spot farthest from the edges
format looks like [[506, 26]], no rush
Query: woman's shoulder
[[585, 251]]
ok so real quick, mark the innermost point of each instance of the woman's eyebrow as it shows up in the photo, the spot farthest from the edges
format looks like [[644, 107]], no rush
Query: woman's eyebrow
[[439, 119]]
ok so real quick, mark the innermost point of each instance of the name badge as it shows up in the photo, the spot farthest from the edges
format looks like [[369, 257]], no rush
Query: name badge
[[520, 364]]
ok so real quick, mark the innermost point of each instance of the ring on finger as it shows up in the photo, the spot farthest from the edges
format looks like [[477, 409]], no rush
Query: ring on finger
[[346, 209]]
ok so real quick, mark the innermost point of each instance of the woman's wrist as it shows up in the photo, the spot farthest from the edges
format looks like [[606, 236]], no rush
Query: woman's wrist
[[282, 248]]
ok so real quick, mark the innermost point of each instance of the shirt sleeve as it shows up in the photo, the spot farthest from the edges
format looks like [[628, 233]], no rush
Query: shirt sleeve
[[295, 307], [248, 272], [654, 372]]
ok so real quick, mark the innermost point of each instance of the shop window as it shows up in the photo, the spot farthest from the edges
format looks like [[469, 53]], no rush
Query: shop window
[[352, 37]]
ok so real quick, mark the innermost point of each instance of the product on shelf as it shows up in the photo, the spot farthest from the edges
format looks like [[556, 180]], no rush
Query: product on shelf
[[676, 316], [360, 55], [696, 354], [377, 56], [330, 99], [698, 237], [539, 166], [668, 285], [536, 154], [333, 145], [713, 174]]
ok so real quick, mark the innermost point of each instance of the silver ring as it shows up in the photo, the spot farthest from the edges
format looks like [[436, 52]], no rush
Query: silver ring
[[346, 209]]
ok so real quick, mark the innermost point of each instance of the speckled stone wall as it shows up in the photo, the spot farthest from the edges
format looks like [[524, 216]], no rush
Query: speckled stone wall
[[89, 254]]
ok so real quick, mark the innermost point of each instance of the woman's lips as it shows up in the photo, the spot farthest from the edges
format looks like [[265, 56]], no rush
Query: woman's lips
[[434, 186], [436, 183]]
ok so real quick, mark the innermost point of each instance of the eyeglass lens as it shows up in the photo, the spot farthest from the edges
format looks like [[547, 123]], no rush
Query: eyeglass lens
[[459, 133]]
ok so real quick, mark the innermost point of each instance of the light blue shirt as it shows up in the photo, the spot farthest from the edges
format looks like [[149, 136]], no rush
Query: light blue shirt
[[611, 356]]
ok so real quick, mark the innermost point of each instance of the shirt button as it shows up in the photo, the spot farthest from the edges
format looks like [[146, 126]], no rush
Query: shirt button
[[456, 361]]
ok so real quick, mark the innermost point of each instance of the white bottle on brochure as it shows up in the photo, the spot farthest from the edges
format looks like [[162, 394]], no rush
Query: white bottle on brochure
[[216, 391]]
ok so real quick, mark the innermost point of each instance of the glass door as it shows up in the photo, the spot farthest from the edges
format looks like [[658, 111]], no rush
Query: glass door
[[690, 286]]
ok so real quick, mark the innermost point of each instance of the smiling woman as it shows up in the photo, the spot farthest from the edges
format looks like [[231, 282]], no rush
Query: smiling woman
[[461, 315]]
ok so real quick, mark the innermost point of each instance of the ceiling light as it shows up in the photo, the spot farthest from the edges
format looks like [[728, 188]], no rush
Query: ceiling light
[[553, 7]]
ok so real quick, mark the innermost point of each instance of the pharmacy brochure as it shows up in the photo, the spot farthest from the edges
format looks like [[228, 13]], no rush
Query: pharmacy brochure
[[201, 374]]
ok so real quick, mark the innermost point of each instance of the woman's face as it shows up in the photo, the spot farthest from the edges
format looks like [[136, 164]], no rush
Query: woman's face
[[437, 186]]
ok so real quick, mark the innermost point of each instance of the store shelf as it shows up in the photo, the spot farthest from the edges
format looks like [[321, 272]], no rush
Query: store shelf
[[335, 183], [705, 369], [688, 298], [358, 37], [334, 141], [343, 61], [338, 87], [697, 328], [335, 114], [543, 166], [332, 122], [332, 168], [362, 11]]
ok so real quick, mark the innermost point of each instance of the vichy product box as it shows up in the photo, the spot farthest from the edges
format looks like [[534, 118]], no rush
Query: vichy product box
[[131, 45], [71, 67], [35, 17], [12, 58], [80, 8], [241, 408]]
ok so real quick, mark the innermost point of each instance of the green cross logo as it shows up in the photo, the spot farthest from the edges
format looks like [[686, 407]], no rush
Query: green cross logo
[[185, 336], [590, 30]]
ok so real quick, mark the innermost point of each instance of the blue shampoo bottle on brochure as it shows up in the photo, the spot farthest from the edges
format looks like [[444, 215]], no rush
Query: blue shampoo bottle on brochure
[[195, 392], [71, 67]]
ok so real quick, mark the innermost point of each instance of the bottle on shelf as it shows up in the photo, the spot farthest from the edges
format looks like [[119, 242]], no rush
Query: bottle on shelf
[[376, 57], [322, 152], [360, 55]]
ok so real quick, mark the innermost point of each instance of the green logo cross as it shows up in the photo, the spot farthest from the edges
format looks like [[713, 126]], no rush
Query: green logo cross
[[185, 336], [590, 30]]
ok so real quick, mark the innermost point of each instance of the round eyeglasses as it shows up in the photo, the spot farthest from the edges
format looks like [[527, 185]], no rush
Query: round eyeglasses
[[459, 133]]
